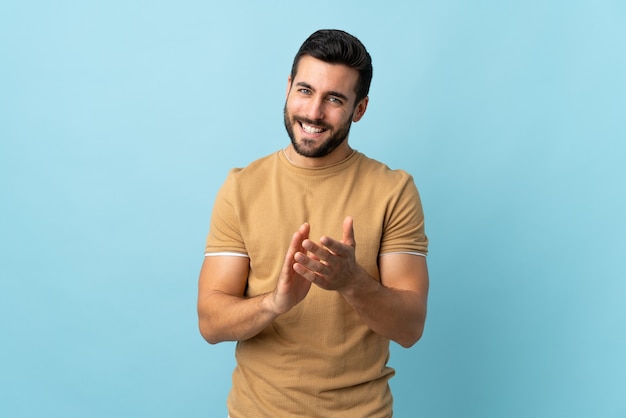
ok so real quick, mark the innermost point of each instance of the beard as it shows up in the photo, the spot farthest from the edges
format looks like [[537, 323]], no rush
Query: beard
[[306, 146]]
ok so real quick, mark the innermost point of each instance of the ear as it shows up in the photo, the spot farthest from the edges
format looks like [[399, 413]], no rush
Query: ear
[[360, 109], [288, 86]]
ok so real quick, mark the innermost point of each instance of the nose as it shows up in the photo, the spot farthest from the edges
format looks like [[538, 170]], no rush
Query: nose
[[315, 109]]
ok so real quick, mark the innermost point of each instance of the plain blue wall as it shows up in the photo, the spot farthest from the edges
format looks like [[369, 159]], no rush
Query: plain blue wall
[[119, 121]]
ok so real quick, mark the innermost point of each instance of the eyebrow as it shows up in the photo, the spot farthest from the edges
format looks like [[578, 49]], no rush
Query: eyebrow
[[330, 93]]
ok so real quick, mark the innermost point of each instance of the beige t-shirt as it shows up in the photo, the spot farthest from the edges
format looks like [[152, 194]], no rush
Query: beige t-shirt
[[319, 359]]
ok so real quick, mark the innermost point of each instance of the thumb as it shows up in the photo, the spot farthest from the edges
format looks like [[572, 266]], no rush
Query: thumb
[[348, 232]]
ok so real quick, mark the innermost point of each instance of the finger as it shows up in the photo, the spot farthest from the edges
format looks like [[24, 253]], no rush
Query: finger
[[294, 247], [348, 232], [332, 246], [298, 237], [347, 238], [304, 230], [311, 264], [311, 276], [335, 247], [316, 252], [305, 272]]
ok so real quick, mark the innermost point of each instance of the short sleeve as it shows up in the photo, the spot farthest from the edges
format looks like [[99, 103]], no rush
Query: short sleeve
[[225, 232], [404, 229]]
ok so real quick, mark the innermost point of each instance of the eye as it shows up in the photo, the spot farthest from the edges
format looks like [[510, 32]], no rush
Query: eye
[[335, 100], [305, 91]]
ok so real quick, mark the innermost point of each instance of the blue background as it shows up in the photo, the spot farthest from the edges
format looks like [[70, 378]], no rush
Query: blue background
[[119, 121]]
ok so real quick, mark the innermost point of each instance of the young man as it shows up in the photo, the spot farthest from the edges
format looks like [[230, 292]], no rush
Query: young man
[[316, 255]]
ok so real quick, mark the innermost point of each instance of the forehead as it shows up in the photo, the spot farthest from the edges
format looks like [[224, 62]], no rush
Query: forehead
[[326, 77]]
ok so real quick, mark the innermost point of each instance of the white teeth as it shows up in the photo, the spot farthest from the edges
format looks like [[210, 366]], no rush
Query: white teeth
[[311, 129]]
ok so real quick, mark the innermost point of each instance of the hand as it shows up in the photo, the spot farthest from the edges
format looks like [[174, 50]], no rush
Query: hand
[[331, 265], [291, 287]]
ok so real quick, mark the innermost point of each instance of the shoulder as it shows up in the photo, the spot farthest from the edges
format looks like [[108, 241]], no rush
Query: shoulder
[[254, 172], [255, 166], [381, 172]]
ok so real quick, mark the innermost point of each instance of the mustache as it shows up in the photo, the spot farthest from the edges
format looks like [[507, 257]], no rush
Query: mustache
[[315, 122]]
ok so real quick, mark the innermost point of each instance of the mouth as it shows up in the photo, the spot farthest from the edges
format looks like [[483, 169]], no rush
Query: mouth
[[312, 129]]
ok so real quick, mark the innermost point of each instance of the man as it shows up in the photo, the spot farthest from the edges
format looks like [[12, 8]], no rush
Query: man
[[313, 316]]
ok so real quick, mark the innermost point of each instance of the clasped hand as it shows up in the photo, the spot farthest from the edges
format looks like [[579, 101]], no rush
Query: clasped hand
[[331, 265]]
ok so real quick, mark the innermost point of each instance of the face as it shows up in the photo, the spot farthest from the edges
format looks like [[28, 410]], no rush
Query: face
[[320, 107]]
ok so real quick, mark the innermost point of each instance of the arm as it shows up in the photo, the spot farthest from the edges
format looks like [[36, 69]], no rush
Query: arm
[[225, 314], [395, 307]]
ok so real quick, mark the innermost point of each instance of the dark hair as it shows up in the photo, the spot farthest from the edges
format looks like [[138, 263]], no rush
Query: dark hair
[[338, 47]]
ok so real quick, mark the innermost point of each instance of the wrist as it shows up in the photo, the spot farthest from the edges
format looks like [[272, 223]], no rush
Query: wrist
[[358, 284], [267, 305]]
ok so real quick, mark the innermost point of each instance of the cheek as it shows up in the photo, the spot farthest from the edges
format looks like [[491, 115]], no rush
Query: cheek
[[342, 119], [292, 107]]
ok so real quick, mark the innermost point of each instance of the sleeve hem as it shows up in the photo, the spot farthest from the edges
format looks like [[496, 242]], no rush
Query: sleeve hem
[[404, 252], [226, 254]]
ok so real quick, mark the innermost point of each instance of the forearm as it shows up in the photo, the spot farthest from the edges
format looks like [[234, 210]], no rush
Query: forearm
[[225, 314], [224, 317], [393, 313]]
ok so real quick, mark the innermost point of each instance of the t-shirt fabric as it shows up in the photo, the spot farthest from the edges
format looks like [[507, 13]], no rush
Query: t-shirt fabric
[[319, 359]]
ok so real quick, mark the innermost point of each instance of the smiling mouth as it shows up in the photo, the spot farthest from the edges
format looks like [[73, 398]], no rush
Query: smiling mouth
[[311, 129]]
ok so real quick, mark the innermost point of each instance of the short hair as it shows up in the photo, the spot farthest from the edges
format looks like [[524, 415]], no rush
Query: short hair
[[338, 47]]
